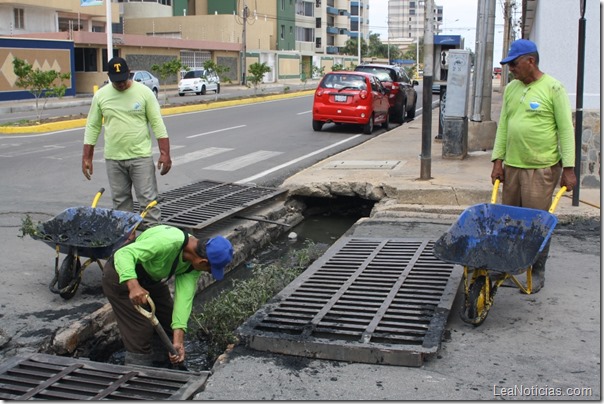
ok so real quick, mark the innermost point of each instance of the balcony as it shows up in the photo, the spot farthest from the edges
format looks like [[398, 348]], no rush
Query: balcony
[[331, 10], [332, 30], [332, 50]]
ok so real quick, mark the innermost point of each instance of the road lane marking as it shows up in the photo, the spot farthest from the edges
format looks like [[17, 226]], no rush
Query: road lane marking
[[216, 131], [244, 161], [304, 113], [198, 155], [294, 161]]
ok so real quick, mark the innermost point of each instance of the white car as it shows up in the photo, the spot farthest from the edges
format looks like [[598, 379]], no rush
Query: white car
[[198, 82]]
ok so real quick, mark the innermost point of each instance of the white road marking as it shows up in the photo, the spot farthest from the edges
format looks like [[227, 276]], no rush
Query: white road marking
[[198, 155], [304, 113], [243, 161], [216, 131], [294, 161]]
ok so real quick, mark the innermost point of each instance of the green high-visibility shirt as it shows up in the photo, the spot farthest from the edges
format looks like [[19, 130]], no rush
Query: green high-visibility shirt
[[535, 127], [156, 249], [127, 116]]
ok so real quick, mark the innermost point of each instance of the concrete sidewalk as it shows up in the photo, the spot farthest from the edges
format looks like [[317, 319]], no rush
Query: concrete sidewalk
[[543, 346]]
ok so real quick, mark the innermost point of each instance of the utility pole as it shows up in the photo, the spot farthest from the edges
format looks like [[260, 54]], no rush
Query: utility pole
[[360, 37], [108, 30], [426, 155], [507, 27], [243, 54]]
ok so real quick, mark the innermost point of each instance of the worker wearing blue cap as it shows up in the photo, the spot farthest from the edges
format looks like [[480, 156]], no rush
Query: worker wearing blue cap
[[534, 148], [141, 269]]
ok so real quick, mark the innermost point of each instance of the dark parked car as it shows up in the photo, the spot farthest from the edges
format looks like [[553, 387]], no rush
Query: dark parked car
[[350, 97], [403, 97]]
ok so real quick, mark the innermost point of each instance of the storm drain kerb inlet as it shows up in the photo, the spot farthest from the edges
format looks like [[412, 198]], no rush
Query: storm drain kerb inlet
[[370, 300]]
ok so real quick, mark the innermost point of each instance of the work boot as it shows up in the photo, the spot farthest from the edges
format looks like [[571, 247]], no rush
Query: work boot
[[140, 359]]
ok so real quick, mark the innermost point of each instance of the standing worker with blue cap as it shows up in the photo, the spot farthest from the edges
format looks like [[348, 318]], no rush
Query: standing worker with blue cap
[[534, 146], [141, 269]]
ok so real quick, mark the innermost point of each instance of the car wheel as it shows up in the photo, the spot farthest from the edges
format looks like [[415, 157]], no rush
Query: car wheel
[[317, 125], [411, 114], [217, 88], [368, 127], [181, 94], [386, 123], [156, 92], [203, 90]]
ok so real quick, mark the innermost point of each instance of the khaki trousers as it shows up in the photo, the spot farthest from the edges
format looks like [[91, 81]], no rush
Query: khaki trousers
[[530, 188]]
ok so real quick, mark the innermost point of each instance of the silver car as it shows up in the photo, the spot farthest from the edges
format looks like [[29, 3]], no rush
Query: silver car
[[146, 78]]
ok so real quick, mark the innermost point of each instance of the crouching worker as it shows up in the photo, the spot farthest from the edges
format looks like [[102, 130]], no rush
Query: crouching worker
[[142, 268]]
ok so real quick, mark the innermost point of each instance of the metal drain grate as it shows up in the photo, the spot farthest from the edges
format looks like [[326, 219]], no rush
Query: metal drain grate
[[366, 300], [198, 205], [47, 377]]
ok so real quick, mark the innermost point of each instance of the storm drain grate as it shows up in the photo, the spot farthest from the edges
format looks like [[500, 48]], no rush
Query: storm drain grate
[[366, 300], [47, 377], [198, 205]]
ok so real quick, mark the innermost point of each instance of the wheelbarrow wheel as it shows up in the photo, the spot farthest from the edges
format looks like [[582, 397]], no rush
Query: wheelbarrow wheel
[[478, 304], [69, 277]]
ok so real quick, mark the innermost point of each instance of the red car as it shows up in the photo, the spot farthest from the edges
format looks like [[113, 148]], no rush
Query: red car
[[350, 97]]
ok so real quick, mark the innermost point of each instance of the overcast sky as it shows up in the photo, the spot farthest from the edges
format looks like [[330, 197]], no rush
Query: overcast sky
[[459, 19]]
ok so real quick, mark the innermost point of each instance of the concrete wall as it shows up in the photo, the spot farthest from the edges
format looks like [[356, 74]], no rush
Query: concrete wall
[[43, 55]]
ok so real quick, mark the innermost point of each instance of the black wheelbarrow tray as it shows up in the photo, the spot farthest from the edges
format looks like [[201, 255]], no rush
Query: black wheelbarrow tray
[[494, 243], [85, 232]]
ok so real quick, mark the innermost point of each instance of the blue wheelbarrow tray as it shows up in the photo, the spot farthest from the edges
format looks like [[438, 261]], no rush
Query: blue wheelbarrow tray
[[94, 232], [496, 237]]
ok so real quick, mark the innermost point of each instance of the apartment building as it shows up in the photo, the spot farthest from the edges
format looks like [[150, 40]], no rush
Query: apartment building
[[290, 35]]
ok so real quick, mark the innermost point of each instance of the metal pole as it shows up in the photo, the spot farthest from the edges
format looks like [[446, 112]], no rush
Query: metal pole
[[109, 30], [426, 155], [417, 44], [243, 56], [360, 35], [579, 102]]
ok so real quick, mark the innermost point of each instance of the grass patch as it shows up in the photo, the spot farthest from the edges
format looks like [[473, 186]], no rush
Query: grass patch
[[222, 315]]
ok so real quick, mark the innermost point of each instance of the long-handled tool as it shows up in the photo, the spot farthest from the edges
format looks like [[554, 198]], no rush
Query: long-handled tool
[[159, 329]]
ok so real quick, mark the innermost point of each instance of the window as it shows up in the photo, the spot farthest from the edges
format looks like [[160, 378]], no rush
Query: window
[[19, 19], [86, 59], [282, 35], [305, 34]]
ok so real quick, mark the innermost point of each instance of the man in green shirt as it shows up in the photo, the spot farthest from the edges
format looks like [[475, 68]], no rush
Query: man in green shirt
[[127, 108], [534, 146], [141, 269]]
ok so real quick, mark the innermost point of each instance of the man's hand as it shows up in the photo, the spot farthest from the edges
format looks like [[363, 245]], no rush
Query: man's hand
[[164, 163], [568, 178], [137, 294], [497, 172], [179, 345], [87, 154]]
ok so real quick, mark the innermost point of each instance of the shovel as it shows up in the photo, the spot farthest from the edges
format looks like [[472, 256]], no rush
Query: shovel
[[160, 331]]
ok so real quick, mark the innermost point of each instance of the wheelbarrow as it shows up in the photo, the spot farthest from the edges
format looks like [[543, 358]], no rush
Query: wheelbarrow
[[85, 232], [495, 243]]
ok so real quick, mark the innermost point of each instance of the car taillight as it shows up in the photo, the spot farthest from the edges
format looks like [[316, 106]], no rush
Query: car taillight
[[319, 92], [363, 94], [395, 86]]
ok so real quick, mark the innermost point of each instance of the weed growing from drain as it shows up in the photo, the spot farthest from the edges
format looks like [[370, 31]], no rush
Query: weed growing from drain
[[222, 315]]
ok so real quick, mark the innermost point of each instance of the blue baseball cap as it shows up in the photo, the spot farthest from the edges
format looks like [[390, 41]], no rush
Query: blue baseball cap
[[518, 48], [219, 252]]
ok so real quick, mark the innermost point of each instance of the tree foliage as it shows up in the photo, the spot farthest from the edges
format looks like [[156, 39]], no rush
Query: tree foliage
[[257, 72], [168, 69], [41, 83]]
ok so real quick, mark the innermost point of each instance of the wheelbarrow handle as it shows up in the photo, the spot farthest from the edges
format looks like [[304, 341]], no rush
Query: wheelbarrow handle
[[557, 199], [150, 206], [158, 327], [97, 197], [495, 190]]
